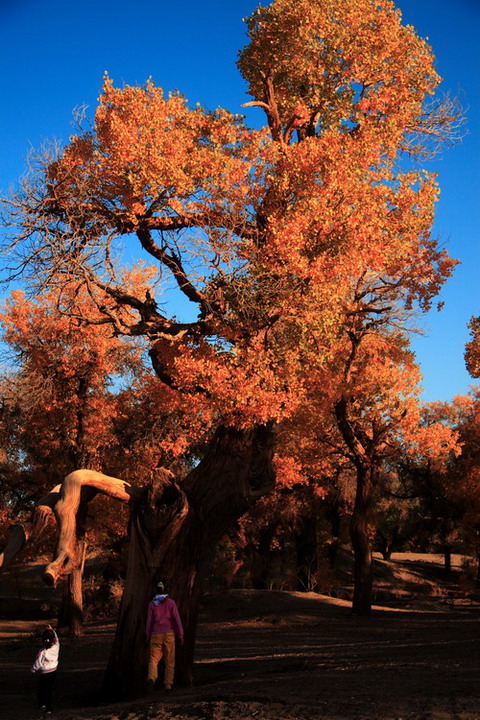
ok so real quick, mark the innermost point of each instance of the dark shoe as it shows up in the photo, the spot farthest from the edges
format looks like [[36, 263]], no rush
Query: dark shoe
[[150, 686], [168, 689]]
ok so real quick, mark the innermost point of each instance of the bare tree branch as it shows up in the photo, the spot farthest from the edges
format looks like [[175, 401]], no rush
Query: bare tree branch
[[31, 530], [66, 511]]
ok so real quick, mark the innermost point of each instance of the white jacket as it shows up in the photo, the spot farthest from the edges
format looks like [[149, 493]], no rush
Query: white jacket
[[47, 658]]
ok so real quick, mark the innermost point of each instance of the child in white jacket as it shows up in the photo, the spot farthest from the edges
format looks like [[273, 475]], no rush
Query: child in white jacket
[[45, 665]]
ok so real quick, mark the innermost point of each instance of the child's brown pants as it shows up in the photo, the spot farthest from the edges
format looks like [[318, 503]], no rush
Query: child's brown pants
[[162, 645]]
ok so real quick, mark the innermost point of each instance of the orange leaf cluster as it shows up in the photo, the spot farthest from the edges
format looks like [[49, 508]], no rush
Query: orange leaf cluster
[[340, 65]]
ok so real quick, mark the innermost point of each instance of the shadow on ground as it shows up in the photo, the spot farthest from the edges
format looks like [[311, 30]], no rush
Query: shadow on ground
[[274, 656]]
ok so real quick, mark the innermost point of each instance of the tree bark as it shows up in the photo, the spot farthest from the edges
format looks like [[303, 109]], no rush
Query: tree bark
[[173, 534], [153, 529], [77, 489], [361, 542], [71, 610], [31, 530], [364, 461]]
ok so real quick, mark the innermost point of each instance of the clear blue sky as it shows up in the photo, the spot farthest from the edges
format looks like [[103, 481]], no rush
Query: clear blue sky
[[53, 54]]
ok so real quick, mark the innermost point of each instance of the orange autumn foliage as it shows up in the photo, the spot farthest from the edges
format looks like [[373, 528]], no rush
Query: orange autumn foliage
[[275, 237], [457, 480], [384, 408], [61, 383], [82, 396], [332, 66]]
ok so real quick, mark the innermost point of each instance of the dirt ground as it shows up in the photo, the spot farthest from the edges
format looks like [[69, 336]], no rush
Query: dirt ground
[[270, 655]]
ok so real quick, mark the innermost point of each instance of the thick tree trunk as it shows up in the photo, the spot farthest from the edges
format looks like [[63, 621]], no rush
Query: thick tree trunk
[[153, 529], [71, 610], [361, 543], [173, 533], [362, 450]]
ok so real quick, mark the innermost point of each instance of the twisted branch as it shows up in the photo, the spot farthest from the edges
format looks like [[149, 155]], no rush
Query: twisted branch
[[64, 503]]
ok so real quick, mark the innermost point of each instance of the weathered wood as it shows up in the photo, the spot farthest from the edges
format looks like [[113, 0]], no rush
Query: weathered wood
[[66, 511], [71, 609], [30, 530]]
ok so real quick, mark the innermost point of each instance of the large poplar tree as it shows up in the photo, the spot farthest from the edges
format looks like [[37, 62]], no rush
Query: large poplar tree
[[262, 232]]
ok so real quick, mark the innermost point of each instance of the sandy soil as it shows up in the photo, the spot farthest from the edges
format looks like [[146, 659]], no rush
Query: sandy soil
[[278, 656]]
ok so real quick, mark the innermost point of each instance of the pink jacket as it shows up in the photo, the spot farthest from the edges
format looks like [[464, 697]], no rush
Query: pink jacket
[[163, 617]]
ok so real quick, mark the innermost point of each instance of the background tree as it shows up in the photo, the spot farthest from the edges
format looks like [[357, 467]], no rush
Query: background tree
[[467, 475], [365, 421], [450, 493]]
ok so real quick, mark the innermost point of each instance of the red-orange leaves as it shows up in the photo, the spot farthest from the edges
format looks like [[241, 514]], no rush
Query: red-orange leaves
[[62, 386], [284, 242], [153, 153], [324, 64]]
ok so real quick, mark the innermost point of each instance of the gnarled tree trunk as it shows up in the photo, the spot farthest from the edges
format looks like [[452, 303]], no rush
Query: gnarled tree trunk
[[71, 609], [68, 502], [173, 534]]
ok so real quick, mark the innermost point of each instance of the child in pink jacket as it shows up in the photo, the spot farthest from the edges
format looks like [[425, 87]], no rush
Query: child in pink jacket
[[163, 625]]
